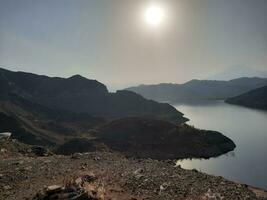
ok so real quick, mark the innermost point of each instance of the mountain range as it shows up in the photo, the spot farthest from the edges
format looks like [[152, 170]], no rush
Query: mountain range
[[80, 95], [198, 89], [237, 72], [76, 114]]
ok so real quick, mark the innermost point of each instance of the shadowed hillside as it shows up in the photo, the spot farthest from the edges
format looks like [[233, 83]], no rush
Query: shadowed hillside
[[80, 95], [78, 115], [162, 140], [33, 123], [255, 99]]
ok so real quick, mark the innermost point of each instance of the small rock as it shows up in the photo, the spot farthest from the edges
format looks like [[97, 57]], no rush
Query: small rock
[[79, 181], [19, 162], [47, 161], [7, 187], [82, 167], [54, 188], [163, 186], [29, 168], [96, 158], [75, 191], [76, 155], [3, 150], [138, 171]]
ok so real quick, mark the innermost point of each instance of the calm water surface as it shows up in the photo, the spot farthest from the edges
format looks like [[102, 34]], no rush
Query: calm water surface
[[246, 127]]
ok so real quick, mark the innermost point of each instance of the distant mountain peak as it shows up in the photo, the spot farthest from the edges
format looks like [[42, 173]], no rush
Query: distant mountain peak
[[199, 89], [77, 76], [238, 71]]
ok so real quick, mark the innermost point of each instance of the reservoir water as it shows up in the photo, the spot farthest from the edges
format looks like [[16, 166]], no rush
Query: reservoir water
[[246, 127]]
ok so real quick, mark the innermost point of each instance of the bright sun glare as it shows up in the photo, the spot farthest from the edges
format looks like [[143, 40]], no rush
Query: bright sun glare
[[154, 15]]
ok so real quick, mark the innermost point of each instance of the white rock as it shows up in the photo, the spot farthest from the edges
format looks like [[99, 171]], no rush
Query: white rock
[[5, 135], [54, 187]]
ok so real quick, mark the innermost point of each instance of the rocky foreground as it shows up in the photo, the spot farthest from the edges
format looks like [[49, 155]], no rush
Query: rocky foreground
[[102, 175]]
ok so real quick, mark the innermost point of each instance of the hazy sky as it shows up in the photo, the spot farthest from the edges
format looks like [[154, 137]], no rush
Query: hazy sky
[[110, 41]]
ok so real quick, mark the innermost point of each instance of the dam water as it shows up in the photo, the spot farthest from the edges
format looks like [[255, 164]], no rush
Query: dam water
[[246, 127]]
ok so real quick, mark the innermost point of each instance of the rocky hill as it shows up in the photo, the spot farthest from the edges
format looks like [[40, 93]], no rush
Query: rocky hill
[[80, 95], [29, 109], [147, 138], [49, 111], [33, 123], [254, 99], [198, 89]]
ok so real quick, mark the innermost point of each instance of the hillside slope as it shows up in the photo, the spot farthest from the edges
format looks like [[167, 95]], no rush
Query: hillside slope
[[80, 95], [33, 123], [147, 138], [255, 99]]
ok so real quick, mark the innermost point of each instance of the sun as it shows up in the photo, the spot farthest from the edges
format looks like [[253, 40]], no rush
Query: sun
[[154, 15]]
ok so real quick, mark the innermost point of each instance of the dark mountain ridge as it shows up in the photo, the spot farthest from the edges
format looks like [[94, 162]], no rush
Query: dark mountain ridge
[[198, 89], [254, 99], [81, 95]]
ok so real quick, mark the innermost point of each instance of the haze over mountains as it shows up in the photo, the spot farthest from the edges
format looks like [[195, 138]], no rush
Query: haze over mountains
[[237, 72], [77, 114], [72, 126], [198, 89]]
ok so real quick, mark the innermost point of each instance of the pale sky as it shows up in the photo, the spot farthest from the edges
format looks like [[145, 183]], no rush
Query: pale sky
[[109, 40]]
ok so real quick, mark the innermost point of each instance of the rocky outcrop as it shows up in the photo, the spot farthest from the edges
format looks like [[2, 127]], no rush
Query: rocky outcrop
[[12, 147], [81, 188], [148, 138]]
